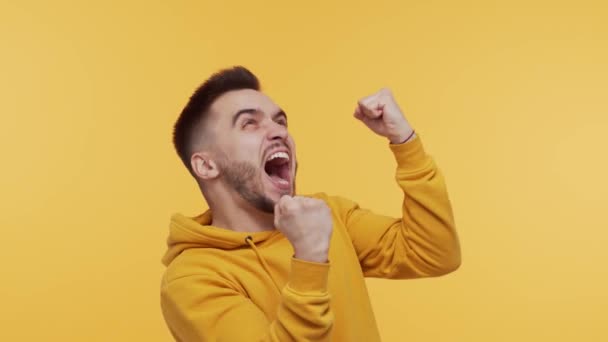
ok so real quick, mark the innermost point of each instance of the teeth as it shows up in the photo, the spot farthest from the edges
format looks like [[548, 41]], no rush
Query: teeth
[[279, 155]]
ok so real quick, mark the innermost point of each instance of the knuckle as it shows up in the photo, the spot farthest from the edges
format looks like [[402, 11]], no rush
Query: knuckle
[[317, 203], [365, 101], [291, 207]]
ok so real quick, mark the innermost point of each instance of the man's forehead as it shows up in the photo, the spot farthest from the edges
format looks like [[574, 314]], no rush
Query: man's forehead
[[235, 100]]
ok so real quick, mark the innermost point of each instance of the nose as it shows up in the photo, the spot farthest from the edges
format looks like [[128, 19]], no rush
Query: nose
[[276, 131]]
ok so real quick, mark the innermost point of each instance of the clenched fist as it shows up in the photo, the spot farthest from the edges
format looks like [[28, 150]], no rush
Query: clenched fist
[[307, 224], [381, 113]]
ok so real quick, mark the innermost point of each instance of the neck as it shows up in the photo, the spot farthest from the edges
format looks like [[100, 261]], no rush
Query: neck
[[239, 216]]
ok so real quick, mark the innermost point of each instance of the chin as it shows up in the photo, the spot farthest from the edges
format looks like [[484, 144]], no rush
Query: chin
[[275, 195]]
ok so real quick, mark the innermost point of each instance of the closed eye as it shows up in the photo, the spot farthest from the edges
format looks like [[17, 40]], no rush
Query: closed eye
[[248, 122]]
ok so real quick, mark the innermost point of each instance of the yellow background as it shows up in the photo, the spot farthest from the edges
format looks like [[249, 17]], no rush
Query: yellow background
[[509, 97]]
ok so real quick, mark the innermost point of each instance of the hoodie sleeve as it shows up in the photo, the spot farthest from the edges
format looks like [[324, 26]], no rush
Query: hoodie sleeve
[[421, 243], [207, 308]]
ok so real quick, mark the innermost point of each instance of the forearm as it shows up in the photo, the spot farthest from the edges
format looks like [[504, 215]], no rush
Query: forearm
[[305, 299], [420, 243], [427, 217]]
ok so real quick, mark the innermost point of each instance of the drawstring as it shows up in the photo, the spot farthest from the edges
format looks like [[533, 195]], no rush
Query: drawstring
[[249, 241]]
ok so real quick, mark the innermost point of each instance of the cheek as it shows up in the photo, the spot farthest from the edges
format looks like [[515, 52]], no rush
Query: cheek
[[291, 143], [248, 149]]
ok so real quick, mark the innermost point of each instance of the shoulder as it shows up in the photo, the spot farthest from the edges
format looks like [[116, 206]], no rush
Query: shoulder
[[336, 203], [341, 207], [196, 264]]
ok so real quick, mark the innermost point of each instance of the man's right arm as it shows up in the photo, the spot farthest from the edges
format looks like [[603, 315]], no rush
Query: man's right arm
[[207, 308]]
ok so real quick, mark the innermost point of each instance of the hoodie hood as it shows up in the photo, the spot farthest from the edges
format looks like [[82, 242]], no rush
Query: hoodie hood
[[197, 232]]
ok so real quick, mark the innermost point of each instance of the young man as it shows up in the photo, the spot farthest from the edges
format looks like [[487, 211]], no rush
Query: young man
[[264, 264]]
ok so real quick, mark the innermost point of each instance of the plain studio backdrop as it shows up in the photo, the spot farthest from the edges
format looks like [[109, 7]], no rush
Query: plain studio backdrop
[[510, 97]]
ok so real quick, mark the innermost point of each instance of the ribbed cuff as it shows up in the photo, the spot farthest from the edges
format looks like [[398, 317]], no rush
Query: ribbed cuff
[[308, 276], [410, 155]]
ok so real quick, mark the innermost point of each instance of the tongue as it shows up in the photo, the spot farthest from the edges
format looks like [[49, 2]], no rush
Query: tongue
[[284, 172], [278, 179]]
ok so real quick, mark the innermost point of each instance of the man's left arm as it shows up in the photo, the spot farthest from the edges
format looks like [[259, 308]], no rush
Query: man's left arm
[[423, 242]]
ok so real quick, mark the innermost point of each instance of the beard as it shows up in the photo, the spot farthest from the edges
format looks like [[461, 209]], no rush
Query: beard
[[246, 180]]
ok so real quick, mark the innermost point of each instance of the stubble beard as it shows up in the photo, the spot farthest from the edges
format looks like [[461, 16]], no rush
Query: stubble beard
[[246, 180]]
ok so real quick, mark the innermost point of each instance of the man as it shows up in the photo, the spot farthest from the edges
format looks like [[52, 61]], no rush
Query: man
[[263, 264]]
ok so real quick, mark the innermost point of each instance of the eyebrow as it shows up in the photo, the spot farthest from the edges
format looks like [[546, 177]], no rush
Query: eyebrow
[[254, 111], [278, 114]]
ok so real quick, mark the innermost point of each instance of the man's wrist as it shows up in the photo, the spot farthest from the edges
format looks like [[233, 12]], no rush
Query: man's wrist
[[321, 258], [402, 138], [320, 255]]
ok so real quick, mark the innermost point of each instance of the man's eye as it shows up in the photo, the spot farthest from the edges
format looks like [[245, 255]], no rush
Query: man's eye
[[282, 122], [248, 122]]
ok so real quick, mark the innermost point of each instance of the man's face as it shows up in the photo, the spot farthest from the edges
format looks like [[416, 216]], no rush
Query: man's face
[[255, 153]]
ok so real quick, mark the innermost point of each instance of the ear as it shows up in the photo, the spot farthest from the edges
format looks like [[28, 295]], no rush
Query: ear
[[203, 166]]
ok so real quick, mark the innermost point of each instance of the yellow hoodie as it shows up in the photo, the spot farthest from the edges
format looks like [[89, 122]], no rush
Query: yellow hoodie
[[222, 285]]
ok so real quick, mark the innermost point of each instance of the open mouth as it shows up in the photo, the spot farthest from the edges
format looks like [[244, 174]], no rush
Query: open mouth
[[277, 167]]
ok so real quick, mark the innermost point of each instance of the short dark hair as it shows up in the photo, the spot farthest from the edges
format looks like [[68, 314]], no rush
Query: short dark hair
[[192, 116]]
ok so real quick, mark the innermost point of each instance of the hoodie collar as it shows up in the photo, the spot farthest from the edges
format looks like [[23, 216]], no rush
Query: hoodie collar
[[197, 232]]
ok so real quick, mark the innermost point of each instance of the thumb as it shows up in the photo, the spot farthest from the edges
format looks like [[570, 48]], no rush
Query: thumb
[[364, 118], [277, 214], [371, 108]]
